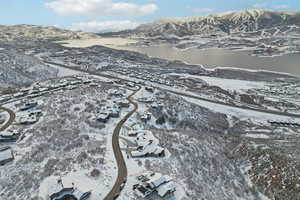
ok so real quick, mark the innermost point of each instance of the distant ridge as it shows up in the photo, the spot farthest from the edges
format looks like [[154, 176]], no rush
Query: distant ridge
[[34, 32]]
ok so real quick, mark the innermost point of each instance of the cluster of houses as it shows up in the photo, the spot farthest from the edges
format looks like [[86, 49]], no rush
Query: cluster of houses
[[110, 111], [144, 75], [113, 110], [252, 99], [39, 89], [146, 144], [284, 124], [152, 183], [284, 88], [29, 112], [62, 190]]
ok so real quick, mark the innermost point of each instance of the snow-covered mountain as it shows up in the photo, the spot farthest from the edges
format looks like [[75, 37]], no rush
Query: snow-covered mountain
[[32, 32], [226, 23]]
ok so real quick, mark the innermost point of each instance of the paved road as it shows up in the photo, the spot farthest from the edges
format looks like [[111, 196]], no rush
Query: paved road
[[12, 118], [187, 95], [122, 169]]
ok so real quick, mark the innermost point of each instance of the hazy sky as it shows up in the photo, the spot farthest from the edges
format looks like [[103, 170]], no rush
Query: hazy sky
[[98, 15]]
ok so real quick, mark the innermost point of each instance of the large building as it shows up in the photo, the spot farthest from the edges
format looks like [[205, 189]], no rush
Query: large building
[[60, 190], [154, 184]]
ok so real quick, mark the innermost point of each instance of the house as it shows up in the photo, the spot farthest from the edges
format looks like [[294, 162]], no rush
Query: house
[[130, 84], [166, 189], [156, 105], [147, 145], [149, 89], [116, 93], [146, 117], [114, 111], [142, 190], [26, 120], [36, 113], [149, 150], [28, 105], [123, 103], [103, 117], [150, 183], [93, 84], [60, 190], [157, 180], [6, 155], [132, 133], [18, 94], [146, 99], [9, 136]]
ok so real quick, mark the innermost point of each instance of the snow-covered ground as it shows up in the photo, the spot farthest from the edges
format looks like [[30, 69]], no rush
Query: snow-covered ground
[[65, 72], [67, 142], [242, 114], [227, 84]]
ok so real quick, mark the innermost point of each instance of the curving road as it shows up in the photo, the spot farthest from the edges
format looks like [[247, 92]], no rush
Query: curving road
[[122, 169], [12, 117]]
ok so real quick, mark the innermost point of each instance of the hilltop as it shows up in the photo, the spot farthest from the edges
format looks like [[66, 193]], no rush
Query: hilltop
[[33, 32]]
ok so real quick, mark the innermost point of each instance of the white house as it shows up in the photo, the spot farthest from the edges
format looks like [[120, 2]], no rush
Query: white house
[[150, 183], [58, 189]]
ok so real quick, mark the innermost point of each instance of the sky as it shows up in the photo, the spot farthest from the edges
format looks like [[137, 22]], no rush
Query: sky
[[115, 15]]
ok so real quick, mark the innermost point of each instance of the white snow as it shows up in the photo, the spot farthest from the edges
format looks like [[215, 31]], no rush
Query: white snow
[[64, 71], [260, 136], [227, 84], [242, 114], [232, 84]]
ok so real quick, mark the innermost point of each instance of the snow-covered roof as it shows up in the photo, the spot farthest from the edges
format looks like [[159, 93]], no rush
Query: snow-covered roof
[[103, 115], [165, 188], [156, 181], [6, 134], [58, 188], [150, 150]]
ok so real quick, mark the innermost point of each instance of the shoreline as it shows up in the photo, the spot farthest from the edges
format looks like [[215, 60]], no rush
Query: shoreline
[[127, 44]]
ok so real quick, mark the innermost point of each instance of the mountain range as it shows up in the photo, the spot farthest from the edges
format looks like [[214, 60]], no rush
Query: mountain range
[[226, 23]]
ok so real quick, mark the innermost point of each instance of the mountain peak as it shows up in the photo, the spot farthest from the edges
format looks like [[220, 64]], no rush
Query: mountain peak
[[248, 20]]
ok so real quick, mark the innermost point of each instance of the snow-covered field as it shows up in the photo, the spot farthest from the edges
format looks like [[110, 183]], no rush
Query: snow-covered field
[[115, 43], [242, 114]]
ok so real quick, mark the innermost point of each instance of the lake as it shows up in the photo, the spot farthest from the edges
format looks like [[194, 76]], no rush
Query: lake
[[210, 58]]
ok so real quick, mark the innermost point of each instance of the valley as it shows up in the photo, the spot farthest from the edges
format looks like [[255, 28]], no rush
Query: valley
[[143, 114]]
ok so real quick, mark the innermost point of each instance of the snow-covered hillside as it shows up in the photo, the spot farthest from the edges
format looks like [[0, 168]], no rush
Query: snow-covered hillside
[[246, 21]]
